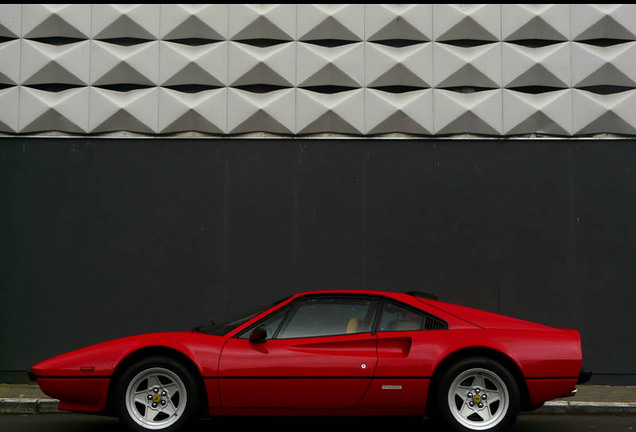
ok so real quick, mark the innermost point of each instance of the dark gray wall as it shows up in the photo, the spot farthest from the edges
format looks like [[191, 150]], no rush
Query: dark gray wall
[[103, 238]]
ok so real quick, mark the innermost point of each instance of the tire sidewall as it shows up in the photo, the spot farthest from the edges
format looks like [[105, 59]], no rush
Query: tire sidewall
[[443, 411], [176, 367]]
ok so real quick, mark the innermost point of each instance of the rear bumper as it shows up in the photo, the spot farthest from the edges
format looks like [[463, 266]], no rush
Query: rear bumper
[[572, 393], [31, 375], [584, 376], [545, 389]]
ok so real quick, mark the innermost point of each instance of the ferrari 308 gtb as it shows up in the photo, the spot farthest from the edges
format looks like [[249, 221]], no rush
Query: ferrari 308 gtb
[[329, 353]]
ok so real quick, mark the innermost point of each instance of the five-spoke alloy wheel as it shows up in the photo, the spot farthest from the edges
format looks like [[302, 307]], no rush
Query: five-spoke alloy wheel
[[477, 394], [156, 393]]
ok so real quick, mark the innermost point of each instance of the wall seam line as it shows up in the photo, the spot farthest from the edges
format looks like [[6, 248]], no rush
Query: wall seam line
[[21, 35]]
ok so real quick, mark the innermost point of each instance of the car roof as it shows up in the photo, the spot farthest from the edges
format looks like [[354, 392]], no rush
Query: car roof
[[402, 296]]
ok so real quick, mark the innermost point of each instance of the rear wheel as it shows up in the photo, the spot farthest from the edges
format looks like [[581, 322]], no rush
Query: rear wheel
[[157, 393], [477, 394]]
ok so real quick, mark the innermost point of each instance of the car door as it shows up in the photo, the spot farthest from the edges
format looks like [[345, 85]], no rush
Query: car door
[[319, 353], [408, 346]]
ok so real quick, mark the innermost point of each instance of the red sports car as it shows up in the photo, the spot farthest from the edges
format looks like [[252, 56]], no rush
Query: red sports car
[[327, 353]]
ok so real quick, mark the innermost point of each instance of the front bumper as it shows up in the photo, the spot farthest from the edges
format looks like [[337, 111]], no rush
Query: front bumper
[[31, 375]]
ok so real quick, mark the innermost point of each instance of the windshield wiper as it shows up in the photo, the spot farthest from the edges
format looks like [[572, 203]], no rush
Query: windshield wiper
[[204, 325]]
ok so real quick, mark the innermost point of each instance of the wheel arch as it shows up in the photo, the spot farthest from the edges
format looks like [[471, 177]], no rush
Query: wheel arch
[[154, 351], [491, 353]]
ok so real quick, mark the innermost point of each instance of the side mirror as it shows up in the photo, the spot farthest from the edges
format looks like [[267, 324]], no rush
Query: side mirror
[[258, 335]]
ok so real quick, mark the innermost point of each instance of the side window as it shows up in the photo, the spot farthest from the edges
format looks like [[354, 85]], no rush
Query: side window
[[270, 324], [398, 318], [329, 316]]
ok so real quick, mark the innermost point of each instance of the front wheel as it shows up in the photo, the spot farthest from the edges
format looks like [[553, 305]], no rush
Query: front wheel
[[477, 394], [157, 394]]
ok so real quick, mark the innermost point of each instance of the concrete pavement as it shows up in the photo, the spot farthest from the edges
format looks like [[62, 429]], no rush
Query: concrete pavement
[[590, 399], [525, 423], [595, 399], [25, 399]]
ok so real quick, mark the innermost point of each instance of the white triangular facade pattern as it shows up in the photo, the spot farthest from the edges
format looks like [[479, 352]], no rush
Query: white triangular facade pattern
[[262, 21], [535, 21], [199, 65], [202, 111], [194, 21], [374, 70]]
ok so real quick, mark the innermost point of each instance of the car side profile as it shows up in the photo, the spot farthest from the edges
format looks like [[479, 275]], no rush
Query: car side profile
[[336, 353]]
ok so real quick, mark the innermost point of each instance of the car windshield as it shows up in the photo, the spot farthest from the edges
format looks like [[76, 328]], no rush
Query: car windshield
[[224, 328]]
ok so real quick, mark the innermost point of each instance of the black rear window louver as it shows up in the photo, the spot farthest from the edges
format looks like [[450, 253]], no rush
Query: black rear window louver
[[433, 323]]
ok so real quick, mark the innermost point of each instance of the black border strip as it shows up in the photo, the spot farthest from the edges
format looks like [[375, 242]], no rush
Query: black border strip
[[551, 378], [294, 377], [312, 377], [73, 377]]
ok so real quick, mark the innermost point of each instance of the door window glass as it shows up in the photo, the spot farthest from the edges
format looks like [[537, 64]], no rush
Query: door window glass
[[270, 324], [328, 317], [398, 318]]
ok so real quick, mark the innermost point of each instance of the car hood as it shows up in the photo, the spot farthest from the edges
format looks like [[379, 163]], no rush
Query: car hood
[[101, 359]]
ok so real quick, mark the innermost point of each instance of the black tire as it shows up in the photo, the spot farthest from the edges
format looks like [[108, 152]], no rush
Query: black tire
[[172, 406], [460, 403]]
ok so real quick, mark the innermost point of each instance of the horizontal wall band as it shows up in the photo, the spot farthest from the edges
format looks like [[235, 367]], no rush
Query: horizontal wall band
[[429, 70]]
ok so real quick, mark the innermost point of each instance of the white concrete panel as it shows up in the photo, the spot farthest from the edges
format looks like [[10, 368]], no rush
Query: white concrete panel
[[544, 113], [261, 112], [125, 21], [9, 66], [9, 113], [604, 65], [330, 21], [475, 113], [399, 22], [535, 21], [11, 20], [55, 64], [64, 111], [272, 65], [341, 112], [56, 20], [598, 113], [543, 66], [198, 21], [600, 21], [405, 66], [204, 111], [134, 110], [467, 22], [478, 66], [119, 64], [201, 64], [409, 112], [339, 66], [262, 21]]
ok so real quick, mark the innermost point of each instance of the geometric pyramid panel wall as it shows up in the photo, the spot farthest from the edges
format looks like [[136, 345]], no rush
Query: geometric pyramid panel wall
[[493, 70]]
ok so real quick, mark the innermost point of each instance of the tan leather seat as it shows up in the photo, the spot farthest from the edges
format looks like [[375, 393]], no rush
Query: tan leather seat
[[352, 325]]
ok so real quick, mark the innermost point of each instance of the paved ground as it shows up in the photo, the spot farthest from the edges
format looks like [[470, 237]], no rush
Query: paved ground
[[525, 423], [590, 399], [605, 393]]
